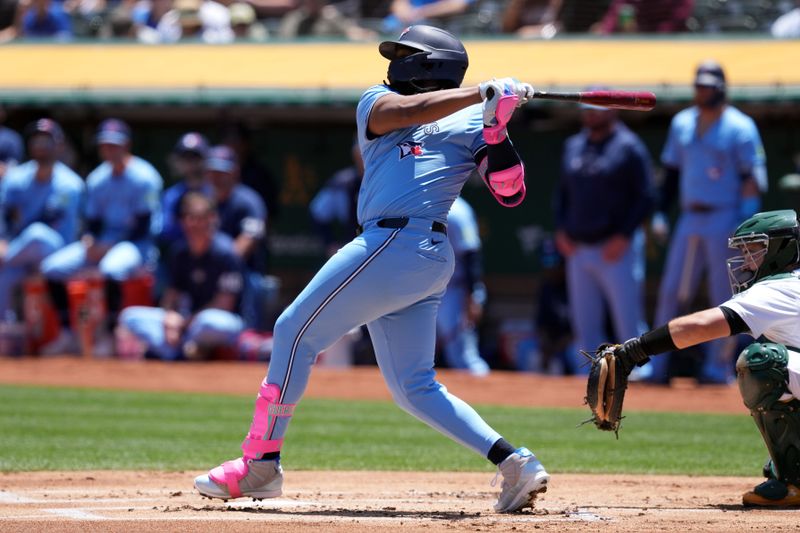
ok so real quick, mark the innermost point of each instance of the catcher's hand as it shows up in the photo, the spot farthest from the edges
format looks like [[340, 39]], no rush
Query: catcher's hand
[[608, 380]]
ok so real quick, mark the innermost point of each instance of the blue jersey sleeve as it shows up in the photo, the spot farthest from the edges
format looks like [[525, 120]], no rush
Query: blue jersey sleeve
[[474, 130], [364, 109]]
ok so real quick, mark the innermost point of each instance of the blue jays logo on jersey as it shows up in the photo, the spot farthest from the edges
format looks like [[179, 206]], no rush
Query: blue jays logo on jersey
[[408, 148]]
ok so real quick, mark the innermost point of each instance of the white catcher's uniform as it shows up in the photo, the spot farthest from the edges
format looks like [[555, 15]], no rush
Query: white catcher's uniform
[[772, 308]]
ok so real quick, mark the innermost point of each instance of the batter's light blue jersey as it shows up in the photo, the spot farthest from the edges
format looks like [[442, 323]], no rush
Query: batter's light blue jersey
[[416, 171], [462, 230], [118, 200], [25, 200], [712, 165]]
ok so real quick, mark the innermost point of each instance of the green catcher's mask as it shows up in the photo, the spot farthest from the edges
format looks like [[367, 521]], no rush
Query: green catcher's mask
[[769, 245]]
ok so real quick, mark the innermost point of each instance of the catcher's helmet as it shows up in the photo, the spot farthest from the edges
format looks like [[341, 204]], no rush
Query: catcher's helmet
[[423, 59], [778, 233]]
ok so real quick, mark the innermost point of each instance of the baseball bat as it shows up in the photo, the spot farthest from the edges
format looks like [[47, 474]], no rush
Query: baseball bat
[[631, 100]]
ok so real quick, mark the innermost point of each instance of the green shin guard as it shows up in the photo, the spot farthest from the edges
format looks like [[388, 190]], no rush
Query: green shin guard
[[762, 376]]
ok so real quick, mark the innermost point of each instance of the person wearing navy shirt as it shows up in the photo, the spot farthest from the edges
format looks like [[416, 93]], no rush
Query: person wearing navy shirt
[[602, 199], [40, 204], [199, 309], [243, 217], [187, 160]]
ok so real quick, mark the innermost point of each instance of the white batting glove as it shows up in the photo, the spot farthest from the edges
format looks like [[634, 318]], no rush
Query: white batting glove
[[524, 91], [491, 91]]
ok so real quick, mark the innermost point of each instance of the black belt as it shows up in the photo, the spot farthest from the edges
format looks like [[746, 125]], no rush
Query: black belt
[[401, 222]]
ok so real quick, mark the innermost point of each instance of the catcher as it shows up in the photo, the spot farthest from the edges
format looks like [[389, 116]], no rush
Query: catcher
[[765, 279]]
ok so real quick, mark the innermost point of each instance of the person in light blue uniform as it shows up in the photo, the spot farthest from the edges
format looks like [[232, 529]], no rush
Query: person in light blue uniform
[[122, 219], [602, 199], [199, 309], [462, 303], [40, 203], [715, 159], [420, 136]]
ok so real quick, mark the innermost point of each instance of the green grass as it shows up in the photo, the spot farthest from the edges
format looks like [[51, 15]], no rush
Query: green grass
[[71, 429]]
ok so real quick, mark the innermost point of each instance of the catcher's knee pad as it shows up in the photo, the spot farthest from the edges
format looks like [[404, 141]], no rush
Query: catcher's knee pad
[[267, 411], [762, 374]]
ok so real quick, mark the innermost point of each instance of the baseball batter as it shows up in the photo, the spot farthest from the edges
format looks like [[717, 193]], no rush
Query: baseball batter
[[421, 135], [765, 278]]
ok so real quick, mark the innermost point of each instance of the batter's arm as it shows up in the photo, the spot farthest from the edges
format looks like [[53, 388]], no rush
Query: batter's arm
[[395, 111]]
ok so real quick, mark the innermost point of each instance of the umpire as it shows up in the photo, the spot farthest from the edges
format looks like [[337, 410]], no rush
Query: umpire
[[602, 199]]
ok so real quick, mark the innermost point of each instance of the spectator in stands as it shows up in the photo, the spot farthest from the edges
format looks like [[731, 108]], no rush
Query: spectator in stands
[[408, 12], [44, 19], [787, 26], [199, 310], [335, 204], [40, 203], [602, 199], [147, 15], [645, 16], [319, 18], [196, 19], [123, 217], [532, 18], [11, 151], [187, 162], [243, 218], [252, 173], [244, 24], [715, 164]]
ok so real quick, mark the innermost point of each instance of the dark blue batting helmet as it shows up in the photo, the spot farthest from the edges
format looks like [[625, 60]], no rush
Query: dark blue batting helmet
[[425, 58]]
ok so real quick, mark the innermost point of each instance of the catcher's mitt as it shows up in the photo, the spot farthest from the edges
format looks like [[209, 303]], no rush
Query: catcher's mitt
[[605, 389]]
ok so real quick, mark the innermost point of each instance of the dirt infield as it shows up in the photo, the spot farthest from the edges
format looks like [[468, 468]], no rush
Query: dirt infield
[[355, 502]]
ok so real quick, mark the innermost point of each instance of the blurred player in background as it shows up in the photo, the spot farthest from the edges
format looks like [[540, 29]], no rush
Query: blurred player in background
[[602, 199], [11, 149], [714, 160], [123, 217], [188, 163], [40, 203], [462, 305], [421, 136], [199, 309]]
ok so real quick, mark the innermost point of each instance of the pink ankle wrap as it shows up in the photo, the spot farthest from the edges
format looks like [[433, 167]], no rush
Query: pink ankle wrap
[[505, 108], [267, 412]]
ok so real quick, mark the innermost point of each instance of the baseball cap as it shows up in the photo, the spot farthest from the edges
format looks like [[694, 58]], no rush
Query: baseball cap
[[188, 11], [113, 131], [47, 126], [192, 143], [710, 74], [241, 13], [221, 159]]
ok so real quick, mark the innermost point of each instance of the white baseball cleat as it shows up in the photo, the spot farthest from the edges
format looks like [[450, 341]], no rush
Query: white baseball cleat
[[242, 478], [524, 478]]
